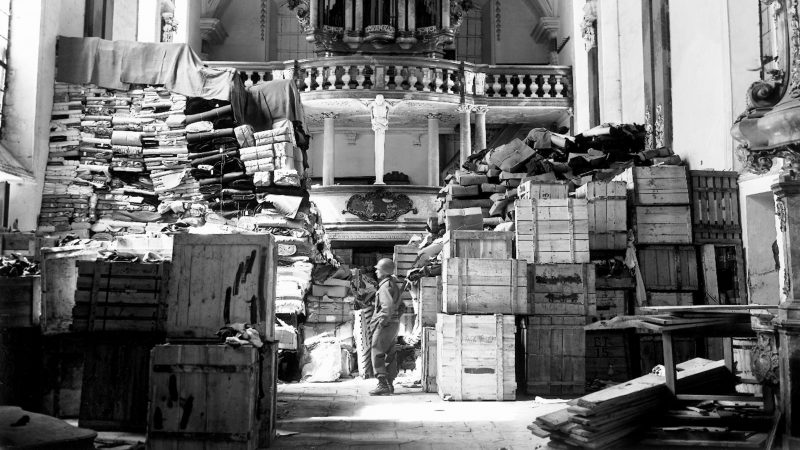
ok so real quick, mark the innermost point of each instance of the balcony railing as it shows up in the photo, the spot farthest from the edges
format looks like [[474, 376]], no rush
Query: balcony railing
[[413, 74]]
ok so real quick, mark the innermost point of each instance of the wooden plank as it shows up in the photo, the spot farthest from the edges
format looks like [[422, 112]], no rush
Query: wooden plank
[[429, 360], [709, 264], [220, 279]]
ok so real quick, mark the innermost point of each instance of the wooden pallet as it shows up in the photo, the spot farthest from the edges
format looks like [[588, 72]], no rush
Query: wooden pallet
[[662, 224], [561, 289], [715, 206], [475, 357], [484, 286], [656, 185], [221, 279], [429, 360], [478, 244], [210, 396], [608, 214], [120, 296], [552, 231], [556, 357], [668, 268], [21, 305]]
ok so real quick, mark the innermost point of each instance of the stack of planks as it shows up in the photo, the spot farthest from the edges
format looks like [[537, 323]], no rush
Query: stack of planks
[[612, 416], [482, 289], [552, 234]]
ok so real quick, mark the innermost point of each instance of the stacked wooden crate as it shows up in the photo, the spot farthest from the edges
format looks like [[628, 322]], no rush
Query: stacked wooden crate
[[661, 219], [329, 308], [216, 281], [552, 234], [482, 289]]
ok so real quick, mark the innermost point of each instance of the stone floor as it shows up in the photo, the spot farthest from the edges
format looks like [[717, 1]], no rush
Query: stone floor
[[343, 415]]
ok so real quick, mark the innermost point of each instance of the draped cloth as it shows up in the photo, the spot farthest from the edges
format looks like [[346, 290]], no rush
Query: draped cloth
[[117, 64]]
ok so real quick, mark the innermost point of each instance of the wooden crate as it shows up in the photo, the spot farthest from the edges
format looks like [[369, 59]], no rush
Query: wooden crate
[[484, 286], [552, 231], [715, 203], [662, 224], [611, 355], [539, 190], [24, 244], [345, 255], [463, 218], [222, 385], [668, 268], [324, 309], [21, 304], [656, 185], [655, 298], [478, 244], [561, 289], [608, 214], [221, 279], [404, 258], [59, 282], [429, 300], [429, 360], [342, 331], [120, 296], [475, 357], [610, 304], [723, 272], [556, 358], [115, 382]]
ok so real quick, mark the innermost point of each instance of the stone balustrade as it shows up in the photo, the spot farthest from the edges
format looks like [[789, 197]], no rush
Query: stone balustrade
[[416, 74]]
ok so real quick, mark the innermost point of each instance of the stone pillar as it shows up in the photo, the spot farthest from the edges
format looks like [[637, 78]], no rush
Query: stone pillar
[[313, 13], [787, 208], [466, 138], [348, 15], [402, 23], [480, 127], [380, 145], [445, 14], [433, 148], [412, 18], [328, 157], [359, 15]]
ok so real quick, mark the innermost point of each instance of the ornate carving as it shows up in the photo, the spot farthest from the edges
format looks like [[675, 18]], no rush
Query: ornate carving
[[765, 362], [497, 17], [780, 211], [169, 26], [480, 109], [263, 18], [300, 8], [659, 126], [480, 83], [437, 116], [329, 115], [589, 24], [458, 9], [379, 205]]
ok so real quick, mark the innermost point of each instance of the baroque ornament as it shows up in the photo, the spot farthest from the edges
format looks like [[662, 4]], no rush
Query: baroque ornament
[[659, 126], [649, 141], [379, 205], [765, 363]]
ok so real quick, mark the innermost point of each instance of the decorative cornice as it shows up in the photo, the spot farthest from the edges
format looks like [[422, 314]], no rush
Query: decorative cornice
[[546, 29], [212, 31]]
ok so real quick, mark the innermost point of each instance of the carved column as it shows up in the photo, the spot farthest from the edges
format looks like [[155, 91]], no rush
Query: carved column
[[348, 15], [445, 14], [433, 148], [359, 15], [402, 22], [465, 132], [412, 15], [313, 15], [787, 207], [480, 127], [328, 157]]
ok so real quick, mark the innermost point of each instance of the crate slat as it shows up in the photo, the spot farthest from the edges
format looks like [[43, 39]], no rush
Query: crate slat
[[429, 360], [663, 224]]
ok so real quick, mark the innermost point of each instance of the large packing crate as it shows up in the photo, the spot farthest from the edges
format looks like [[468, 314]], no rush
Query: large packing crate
[[475, 357], [429, 360], [24, 244], [656, 185], [552, 231], [59, 280], [210, 397], [21, 303], [668, 268], [612, 355], [429, 300], [478, 244], [221, 279], [115, 381], [715, 203], [120, 296], [326, 309], [608, 214], [484, 286], [561, 289], [662, 224], [542, 190], [610, 304], [556, 357], [404, 258]]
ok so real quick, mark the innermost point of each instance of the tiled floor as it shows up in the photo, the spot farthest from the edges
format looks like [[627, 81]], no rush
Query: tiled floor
[[343, 415]]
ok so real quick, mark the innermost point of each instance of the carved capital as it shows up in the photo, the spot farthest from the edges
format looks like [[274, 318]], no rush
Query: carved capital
[[329, 115], [437, 116], [480, 109], [464, 109]]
